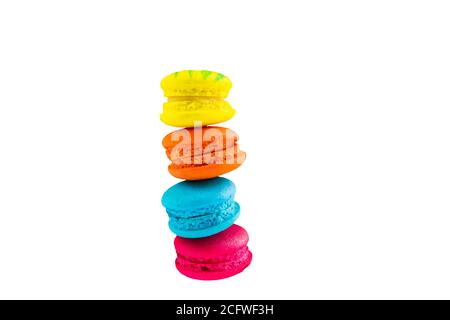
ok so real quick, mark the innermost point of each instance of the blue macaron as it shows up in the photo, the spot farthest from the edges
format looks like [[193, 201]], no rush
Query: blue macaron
[[201, 208]]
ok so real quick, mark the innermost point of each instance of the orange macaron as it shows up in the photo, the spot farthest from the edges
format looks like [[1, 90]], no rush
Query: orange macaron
[[202, 152]]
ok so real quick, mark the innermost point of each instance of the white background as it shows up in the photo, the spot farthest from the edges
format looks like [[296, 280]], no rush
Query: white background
[[342, 108]]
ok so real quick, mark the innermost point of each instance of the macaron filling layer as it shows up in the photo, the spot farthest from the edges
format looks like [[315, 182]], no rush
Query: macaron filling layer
[[239, 259], [191, 98], [228, 155], [203, 218], [196, 89], [197, 105]]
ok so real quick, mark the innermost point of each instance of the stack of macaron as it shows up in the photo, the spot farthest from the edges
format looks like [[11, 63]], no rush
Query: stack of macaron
[[202, 209]]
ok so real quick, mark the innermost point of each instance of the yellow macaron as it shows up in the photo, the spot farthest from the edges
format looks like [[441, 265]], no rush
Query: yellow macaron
[[196, 97]]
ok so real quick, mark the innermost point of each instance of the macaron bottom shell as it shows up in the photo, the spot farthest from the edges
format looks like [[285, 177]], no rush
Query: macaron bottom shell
[[209, 231], [202, 172], [204, 272], [190, 119]]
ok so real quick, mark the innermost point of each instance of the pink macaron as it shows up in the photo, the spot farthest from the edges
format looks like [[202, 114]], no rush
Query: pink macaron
[[215, 257]]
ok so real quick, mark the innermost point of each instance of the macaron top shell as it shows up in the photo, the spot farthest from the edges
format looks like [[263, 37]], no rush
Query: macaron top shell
[[197, 194], [225, 243], [196, 83], [208, 135]]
